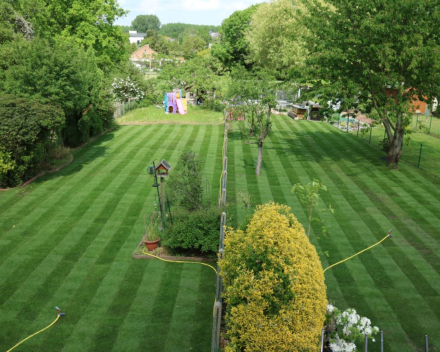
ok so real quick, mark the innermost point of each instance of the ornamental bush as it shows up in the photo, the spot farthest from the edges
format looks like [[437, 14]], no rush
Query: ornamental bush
[[194, 232], [274, 285]]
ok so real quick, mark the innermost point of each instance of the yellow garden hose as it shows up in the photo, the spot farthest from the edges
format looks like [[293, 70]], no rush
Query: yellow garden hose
[[366, 249], [47, 327], [178, 261]]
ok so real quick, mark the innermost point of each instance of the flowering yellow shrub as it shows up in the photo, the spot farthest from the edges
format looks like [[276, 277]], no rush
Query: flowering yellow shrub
[[274, 285]]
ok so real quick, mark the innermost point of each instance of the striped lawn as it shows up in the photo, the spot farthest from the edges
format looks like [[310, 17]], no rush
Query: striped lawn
[[397, 284], [67, 240]]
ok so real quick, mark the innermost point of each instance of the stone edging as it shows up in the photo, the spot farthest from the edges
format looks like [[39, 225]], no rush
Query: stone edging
[[59, 167]]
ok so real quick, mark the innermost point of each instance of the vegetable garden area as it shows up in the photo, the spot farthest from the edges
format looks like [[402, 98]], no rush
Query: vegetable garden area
[[67, 239]]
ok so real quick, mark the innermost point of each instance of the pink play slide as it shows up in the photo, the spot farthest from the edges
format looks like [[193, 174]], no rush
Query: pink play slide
[[180, 107]]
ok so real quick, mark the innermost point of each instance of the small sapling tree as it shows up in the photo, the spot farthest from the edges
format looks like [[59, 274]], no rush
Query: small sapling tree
[[256, 92], [309, 197]]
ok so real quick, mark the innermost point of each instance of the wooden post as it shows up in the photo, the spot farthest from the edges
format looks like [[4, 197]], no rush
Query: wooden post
[[226, 147], [162, 194], [222, 230]]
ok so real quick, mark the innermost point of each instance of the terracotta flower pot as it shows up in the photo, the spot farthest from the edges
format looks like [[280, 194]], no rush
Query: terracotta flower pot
[[152, 245]]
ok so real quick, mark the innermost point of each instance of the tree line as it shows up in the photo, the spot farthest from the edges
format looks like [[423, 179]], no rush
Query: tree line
[[57, 62]]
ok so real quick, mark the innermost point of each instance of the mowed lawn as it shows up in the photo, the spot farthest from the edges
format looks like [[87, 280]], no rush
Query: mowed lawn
[[396, 284], [67, 240], [154, 115]]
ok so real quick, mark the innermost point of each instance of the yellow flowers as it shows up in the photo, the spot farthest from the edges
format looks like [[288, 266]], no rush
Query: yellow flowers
[[274, 285]]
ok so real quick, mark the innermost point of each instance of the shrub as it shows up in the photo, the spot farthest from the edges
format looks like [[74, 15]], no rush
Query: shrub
[[274, 285], [28, 131], [194, 232], [185, 182]]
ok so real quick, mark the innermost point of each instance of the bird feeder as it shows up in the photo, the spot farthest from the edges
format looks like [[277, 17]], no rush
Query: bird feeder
[[163, 169]]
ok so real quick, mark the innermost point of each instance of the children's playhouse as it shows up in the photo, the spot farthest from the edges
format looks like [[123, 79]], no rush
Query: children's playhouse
[[174, 103]]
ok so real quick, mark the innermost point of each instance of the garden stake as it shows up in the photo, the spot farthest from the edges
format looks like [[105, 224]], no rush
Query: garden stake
[[366, 343], [322, 340], [366, 249], [426, 343], [47, 327]]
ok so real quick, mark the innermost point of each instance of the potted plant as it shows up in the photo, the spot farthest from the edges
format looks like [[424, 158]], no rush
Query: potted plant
[[151, 237]]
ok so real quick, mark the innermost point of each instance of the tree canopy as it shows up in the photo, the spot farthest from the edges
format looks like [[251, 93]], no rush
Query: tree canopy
[[177, 30], [233, 48], [143, 23], [91, 23], [276, 37], [383, 54]]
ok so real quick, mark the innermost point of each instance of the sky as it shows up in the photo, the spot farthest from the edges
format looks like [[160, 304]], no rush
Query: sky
[[211, 12]]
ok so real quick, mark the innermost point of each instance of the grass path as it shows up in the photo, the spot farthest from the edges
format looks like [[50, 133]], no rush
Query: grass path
[[397, 284], [67, 240]]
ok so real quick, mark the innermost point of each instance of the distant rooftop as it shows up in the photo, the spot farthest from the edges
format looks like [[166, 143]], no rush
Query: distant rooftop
[[133, 34]]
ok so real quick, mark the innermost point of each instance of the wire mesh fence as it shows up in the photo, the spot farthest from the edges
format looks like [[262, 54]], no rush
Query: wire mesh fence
[[420, 148], [217, 316], [122, 108], [425, 124]]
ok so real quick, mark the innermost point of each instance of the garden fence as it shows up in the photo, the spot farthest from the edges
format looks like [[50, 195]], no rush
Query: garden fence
[[122, 108], [421, 155], [325, 348], [426, 124], [217, 315]]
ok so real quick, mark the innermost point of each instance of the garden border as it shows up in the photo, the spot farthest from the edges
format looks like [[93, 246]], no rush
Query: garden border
[[24, 184]]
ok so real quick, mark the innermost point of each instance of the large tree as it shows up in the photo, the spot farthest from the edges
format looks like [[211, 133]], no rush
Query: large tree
[[276, 37], [143, 23], [233, 48], [90, 23], [61, 73], [382, 54]]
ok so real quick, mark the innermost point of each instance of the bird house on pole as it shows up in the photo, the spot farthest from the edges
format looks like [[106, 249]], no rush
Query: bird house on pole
[[163, 169]]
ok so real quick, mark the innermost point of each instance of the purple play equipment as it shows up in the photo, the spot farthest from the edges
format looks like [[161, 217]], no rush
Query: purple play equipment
[[174, 103], [171, 104]]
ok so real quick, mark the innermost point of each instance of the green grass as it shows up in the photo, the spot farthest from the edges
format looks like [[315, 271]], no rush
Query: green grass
[[430, 155], [430, 124], [67, 240], [154, 115], [396, 284]]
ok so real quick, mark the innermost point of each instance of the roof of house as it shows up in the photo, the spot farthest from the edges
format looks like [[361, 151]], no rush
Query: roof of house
[[131, 35], [143, 52]]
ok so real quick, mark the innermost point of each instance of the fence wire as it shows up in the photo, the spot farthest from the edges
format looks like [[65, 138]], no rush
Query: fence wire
[[218, 306], [421, 148]]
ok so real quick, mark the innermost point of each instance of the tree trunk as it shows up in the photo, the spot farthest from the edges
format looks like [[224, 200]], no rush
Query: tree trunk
[[395, 150], [259, 158]]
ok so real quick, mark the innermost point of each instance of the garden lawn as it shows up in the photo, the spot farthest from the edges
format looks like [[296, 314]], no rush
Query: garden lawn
[[67, 240], [426, 157], [396, 284], [155, 115]]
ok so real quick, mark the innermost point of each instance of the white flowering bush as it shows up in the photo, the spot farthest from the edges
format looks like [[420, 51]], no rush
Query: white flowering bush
[[125, 89], [350, 328]]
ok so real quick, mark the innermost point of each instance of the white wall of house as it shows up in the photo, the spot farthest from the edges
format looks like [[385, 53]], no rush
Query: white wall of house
[[136, 37]]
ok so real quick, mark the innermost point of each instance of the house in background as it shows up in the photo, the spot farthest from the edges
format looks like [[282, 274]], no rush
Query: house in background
[[145, 56], [136, 37], [142, 56]]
